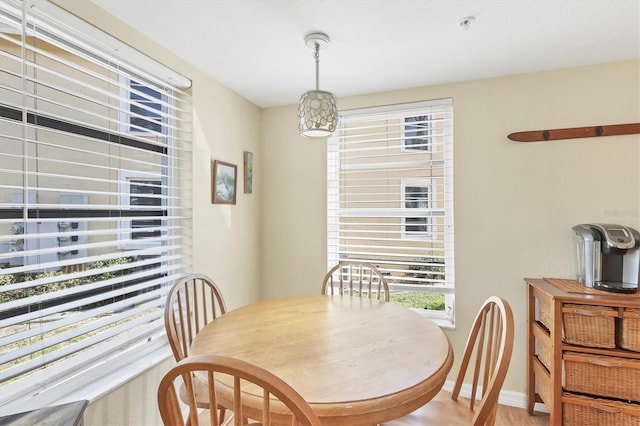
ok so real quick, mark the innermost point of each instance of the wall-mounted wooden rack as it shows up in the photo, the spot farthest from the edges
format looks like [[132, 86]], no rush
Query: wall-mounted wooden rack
[[575, 132]]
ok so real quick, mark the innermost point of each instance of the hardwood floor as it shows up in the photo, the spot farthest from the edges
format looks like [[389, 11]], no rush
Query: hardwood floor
[[519, 416], [437, 414]]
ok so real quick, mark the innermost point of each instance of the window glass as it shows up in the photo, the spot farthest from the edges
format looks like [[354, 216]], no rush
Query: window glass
[[416, 197], [417, 133], [145, 193], [145, 108]]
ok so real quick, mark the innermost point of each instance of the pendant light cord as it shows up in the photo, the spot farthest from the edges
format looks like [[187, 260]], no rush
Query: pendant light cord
[[316, 56]]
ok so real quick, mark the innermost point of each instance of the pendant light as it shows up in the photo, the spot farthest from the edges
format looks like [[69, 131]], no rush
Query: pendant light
[[317, 112]]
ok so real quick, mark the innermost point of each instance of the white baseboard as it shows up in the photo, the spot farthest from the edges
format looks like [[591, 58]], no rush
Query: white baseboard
[[510, 398]]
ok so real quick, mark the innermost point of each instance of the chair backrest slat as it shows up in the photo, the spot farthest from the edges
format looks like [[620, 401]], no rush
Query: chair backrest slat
[[479, 340], [197, 302], [356, 279], [237, 402]]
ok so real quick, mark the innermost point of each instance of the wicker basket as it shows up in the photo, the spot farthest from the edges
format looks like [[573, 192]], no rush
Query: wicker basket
[[629, 335], [544, 313], [588, 325], [581, 410], [544, 354], [602, 375], [543, 384]]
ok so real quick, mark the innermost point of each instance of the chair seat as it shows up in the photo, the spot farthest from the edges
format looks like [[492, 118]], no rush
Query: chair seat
[[204, 420], [439, 411], [201, 391]]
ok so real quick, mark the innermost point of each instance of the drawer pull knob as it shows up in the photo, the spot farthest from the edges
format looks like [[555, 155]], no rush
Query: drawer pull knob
[[606, 408], [604, 362], [590, 312]]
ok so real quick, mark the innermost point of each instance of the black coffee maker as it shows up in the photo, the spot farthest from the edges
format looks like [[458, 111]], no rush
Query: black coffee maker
[[607, 257]]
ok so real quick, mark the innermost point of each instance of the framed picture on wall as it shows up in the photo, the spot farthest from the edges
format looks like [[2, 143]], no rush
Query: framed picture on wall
[[224, 178], [248, 172]]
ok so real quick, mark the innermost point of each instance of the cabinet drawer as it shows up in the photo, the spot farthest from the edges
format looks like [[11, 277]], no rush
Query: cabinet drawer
[[587, 325], [543, 384], [542, 342], [545, 312], [629, 335], [544, 352], [581, 410], [602, 375]]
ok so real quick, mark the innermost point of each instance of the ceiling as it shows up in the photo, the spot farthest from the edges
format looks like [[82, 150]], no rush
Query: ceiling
[[257, 48]]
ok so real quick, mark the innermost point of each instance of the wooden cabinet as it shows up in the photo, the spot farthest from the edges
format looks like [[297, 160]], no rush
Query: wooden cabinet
[[581, 363]]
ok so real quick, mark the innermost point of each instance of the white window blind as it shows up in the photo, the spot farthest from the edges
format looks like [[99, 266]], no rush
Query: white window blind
[[390, 196], [95, 202]]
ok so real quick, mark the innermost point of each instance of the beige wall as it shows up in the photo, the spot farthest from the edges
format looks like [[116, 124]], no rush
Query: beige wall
[[131, 404], [515, 203]]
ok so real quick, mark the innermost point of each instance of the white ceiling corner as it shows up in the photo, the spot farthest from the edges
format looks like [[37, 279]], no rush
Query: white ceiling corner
[[256, 47]]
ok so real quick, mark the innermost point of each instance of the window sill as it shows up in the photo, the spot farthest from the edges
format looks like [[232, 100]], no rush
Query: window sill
[[439, 318], [111, 378], [96, 381]]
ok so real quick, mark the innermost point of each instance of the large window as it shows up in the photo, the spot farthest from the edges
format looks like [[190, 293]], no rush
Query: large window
[[95, 153], [390, 199]]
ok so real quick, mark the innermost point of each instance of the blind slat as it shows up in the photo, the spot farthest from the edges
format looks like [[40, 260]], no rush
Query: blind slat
[[118, 267], [43, 313], [82, 369], [106, 289], [81, 327], [88, 342]]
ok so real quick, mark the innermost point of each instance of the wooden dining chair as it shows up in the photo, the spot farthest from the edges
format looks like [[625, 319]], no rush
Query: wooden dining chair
[[488, 348], [356, 279], [192, 302], [265, 390]]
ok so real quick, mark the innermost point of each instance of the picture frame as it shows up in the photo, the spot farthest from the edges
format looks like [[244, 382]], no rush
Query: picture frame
[[248, 172], [224, 177]]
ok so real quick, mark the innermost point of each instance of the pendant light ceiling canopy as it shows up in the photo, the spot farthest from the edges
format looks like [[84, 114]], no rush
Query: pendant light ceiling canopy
[[317, 111]]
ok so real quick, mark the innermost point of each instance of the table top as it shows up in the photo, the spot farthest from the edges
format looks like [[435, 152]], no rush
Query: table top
[[356, 361]]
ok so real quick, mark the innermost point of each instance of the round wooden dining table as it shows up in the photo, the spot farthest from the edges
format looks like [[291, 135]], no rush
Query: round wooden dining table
[[357, 361]]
